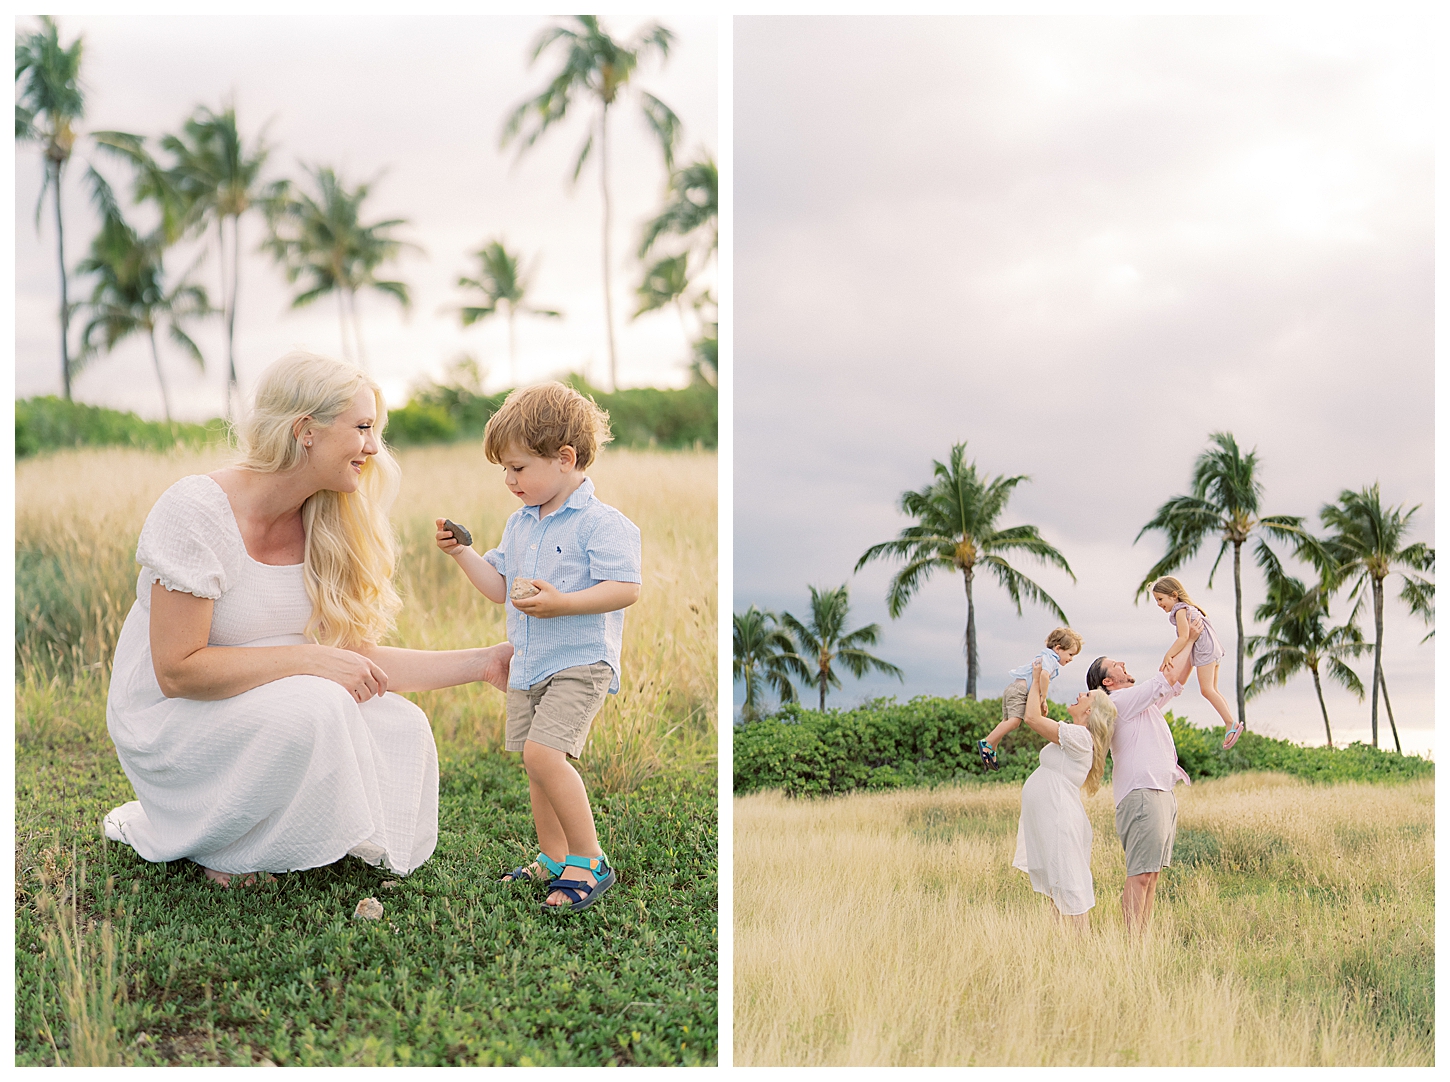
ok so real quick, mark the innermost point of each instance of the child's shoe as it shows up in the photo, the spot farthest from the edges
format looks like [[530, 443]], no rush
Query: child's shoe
[[581, 894], [526, 873], [989, 755]]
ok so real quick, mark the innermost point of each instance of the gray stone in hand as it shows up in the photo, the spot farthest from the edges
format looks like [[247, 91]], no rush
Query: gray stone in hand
[[460, 533]]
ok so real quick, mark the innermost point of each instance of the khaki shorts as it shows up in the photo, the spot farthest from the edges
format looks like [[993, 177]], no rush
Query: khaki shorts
[[558, 710], [1147, 821], [1014, 700]]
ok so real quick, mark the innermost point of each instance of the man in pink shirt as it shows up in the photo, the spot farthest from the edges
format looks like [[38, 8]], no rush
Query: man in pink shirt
[[1145, 767]]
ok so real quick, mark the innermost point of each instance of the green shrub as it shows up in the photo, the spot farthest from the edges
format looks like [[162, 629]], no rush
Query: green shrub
[[419, 422], [884, 744], [48, 423]]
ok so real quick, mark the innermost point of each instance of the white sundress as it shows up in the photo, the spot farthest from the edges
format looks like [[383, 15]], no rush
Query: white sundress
[[292, 774], [1054, 837]]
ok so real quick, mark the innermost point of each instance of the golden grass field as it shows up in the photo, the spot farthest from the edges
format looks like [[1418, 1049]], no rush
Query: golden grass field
[[1296, 927], [78, 514]]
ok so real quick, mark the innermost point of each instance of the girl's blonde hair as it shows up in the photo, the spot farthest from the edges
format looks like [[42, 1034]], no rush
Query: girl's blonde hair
[[350, 549], [1102, 717], [1171, 587]]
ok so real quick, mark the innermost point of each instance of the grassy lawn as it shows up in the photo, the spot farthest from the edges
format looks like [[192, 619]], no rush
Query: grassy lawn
[[460, 969], [1295, 927], [123, 962]]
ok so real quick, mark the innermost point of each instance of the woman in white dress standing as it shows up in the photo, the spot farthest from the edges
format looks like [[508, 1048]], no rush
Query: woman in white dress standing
[[250, 704], [1054, 837]]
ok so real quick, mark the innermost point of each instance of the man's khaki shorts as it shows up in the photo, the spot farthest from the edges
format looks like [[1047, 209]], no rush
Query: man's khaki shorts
[[1147, 821], [558, 710], [1014, 700]]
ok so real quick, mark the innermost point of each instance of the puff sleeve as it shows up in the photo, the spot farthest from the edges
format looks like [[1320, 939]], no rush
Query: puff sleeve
[[189, 542]]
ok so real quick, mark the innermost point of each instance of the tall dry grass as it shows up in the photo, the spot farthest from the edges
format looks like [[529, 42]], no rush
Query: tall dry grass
[[1295, 928], [78, 514]]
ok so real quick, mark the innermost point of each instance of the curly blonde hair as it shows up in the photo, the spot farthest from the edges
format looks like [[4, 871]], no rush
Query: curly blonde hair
[[543, 420], [350, 549]]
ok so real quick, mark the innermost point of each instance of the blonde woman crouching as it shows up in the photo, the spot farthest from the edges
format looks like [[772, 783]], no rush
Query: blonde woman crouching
[[1054, 837], [250, 704]]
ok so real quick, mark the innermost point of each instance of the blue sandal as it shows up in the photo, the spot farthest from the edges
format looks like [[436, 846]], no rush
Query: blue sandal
[[581, 894], [553, 867], [989, 755]]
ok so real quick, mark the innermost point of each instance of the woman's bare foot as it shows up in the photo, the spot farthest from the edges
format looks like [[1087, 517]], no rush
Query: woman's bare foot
[[240, 879], [496, 665]]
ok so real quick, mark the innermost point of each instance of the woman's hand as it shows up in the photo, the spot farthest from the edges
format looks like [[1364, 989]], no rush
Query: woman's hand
[[362, 677]]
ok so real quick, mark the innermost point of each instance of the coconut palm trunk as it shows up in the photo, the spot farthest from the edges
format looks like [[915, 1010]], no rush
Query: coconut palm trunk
[[971, 636], [608, 292], [1328, 736], [1239, 623], [362, 359], [825, 673], [55, 166], [156, 360], [1379, 633], [1395, 732], [233, 388]]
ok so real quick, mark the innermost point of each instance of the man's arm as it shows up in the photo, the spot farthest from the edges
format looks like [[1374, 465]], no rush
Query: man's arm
[[1136, 699]]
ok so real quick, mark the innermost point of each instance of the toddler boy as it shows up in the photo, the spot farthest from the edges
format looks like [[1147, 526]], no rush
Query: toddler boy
[[1061, 647], [566, 568]]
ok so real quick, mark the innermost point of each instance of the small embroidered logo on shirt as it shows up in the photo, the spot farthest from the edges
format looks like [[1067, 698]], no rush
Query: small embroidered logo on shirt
[[558, 550]]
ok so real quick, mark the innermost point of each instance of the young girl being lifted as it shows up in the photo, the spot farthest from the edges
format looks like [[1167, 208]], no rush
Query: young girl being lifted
[[1173, 599]]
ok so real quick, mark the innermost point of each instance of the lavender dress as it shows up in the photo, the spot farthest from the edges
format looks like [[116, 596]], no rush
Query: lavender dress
[[1206, 649]]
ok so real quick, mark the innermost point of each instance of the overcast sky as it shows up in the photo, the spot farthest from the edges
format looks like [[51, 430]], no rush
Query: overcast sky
[[1081, 246], [417, 103]]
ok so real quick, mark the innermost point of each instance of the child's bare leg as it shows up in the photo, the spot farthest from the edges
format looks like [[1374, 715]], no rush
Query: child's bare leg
[[1208, 686], [552, 841], [563, 791], [997, 735]]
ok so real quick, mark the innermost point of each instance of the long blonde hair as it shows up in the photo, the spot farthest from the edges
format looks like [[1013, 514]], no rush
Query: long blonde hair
[[1102, 717], [1170, 587], [350, 550]]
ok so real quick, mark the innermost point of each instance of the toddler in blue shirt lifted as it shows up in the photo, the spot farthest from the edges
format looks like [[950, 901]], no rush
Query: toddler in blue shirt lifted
[[1062, 646], [566, 568]]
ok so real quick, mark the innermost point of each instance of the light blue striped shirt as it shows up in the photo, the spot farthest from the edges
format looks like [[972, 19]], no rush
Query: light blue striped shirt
[[581, 544], [1051, 665]]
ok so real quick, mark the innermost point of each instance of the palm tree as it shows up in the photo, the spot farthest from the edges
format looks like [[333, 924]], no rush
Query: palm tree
[[764, 654], [691, 212], [219, 179], [503, 285], [1297, 639], [825, 641], [600, 68], [1367, 545], [956, 530], [130, 295], [49, 102], [1225, 500], [322, 240]]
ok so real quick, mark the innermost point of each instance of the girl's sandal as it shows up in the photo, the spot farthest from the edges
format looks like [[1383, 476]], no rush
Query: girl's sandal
[[581, 894], [1232, 736], [553, 867]]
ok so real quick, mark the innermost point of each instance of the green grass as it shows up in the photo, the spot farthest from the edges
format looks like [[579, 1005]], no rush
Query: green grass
[[47, 423], [460, 970]]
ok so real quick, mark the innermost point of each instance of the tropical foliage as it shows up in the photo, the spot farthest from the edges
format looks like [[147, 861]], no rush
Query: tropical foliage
[[1297, 640], [825, 646], [1366, 545], [502, 286], [599, 69], [764, 656], [49, 101], [956, 531], [1223, 500], [131, 296], [319, 237]]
